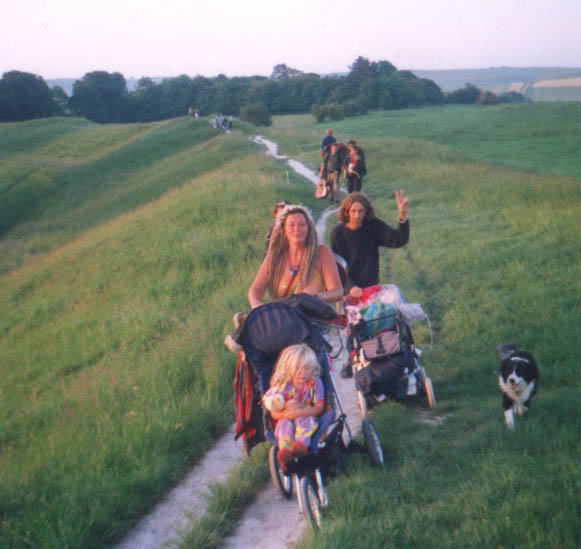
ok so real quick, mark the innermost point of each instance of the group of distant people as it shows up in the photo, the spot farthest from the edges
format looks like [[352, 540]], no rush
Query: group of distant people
[[222, 122], [340, 160]]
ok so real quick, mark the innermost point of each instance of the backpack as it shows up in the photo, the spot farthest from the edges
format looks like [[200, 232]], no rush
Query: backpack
[[361, 168]]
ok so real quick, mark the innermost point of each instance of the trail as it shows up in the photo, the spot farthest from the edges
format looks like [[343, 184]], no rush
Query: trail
[[281, 517], [169, 522]]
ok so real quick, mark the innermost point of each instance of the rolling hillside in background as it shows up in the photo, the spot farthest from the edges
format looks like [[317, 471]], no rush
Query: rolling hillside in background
[[535, 83]]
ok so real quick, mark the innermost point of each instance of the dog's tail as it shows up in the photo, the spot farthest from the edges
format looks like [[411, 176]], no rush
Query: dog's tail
[[504, 351]]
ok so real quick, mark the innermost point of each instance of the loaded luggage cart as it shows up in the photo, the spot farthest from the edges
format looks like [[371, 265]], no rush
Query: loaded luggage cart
[[383, 357]]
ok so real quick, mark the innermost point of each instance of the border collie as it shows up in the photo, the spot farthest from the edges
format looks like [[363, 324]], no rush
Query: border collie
[[518, 380]]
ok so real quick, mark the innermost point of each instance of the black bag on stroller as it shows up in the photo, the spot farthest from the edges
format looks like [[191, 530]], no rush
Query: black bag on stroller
[[385, 358]]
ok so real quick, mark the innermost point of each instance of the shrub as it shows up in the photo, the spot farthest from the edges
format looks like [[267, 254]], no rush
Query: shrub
[[511, 97], [335, 111], [486, 98], [256, 113], [464, 96], [319, 112]]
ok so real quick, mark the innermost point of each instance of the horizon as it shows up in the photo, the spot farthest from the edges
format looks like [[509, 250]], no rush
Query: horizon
[[531, 67], [60, 38]]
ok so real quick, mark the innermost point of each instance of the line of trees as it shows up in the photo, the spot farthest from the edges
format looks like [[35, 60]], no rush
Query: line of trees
[[103, 97]]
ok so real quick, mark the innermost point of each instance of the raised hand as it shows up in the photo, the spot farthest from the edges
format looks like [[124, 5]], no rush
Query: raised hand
[[402, 205]]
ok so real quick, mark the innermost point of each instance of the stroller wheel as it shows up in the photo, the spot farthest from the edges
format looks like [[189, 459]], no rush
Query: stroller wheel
[[429, 390], [311, 503], [281, 481], [372, 441]]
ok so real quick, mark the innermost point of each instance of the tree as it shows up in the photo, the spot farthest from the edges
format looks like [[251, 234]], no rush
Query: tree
[[24, 96], [360, 70], [101, 97], [282, 72], [61, 101], [432, 92], [256, 114], [464, 96], [511, 97], [382, 68], [486, 98]]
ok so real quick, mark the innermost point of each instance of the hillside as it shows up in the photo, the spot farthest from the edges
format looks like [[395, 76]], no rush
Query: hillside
[[60, 177], [530, 81], [127, 249], [121, 261]]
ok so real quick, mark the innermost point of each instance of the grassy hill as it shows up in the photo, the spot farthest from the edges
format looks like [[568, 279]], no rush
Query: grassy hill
[[127, 249], [500, 79], [111, 358]]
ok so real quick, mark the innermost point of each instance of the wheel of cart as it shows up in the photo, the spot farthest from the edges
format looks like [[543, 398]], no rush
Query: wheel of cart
[[428, 389]]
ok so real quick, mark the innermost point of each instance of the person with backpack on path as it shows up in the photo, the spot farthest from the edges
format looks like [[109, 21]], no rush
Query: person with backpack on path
[[331, 170], [327, 140], [356, 168]]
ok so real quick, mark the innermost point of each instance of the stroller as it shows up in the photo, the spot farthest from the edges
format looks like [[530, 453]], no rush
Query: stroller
[[267, 331], [384, 359]]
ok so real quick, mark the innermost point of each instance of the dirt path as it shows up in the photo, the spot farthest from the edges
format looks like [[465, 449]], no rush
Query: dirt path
[[167, 524]]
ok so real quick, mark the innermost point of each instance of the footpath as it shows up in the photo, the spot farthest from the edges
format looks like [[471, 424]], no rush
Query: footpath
[[169, 522]]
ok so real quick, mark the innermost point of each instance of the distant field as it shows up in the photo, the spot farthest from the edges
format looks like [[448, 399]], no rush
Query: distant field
[[502, 79], [536, 137], [127, 249]]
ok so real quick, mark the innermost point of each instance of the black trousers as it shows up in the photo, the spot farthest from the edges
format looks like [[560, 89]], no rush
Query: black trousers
[[354, 183]]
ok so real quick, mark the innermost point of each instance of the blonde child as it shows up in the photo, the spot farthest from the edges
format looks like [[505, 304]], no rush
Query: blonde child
[[296, 377]]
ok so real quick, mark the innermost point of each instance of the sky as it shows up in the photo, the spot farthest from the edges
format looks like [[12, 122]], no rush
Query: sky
[[69, 38]]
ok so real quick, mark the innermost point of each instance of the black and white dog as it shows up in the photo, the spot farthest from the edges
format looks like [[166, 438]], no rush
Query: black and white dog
[[518, 380]]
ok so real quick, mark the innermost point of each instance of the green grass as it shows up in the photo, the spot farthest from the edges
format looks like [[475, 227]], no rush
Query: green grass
[[539, 137], [227, 502], [115, 380], [113, 371], [494, 257], [58, 188]]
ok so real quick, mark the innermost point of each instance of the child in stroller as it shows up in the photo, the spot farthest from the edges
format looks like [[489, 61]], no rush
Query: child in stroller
[[296, 378], [276, 339]]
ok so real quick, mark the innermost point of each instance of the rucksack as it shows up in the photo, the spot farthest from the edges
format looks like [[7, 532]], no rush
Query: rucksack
[[361, 168]]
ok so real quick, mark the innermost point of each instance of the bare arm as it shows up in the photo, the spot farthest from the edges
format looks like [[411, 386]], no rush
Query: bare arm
[[333, 287], [260, 284]]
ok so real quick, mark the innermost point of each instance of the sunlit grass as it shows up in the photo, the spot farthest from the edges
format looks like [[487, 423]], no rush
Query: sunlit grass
[[114, 375], [115, 379]]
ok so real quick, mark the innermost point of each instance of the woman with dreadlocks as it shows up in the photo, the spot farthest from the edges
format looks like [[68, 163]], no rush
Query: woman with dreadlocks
[[295, 262]]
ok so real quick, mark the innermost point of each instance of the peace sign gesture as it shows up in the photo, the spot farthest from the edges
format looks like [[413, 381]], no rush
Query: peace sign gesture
[[402, 205]]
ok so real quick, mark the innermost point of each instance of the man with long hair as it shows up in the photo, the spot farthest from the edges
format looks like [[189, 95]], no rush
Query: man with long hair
[[359, 234]]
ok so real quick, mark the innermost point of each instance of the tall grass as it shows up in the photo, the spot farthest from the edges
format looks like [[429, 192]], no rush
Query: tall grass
[[87, 174], [540, 137], [494, 257], [114, 377]]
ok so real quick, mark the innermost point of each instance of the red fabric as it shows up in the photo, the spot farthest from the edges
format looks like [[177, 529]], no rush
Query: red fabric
[[244, 402], [368, 293]]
